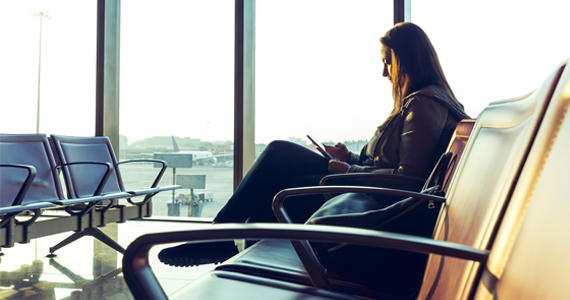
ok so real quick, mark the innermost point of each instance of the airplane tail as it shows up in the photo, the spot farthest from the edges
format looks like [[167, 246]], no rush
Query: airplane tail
[[174, 145]]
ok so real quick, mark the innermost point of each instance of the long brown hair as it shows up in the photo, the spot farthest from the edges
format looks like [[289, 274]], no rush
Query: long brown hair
[[416, 63]]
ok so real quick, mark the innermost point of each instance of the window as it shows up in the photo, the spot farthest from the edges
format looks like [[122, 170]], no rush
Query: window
[[63, 83], [318, 70], [177, 76], [495, 50]]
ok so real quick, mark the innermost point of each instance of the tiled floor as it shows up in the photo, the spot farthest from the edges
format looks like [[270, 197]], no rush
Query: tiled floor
[[85, 269]]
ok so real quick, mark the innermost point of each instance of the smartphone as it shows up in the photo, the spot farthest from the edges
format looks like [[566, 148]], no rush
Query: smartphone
[[320, 146]]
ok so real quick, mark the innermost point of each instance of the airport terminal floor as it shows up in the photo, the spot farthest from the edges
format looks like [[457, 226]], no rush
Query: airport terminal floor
[[85, 269]]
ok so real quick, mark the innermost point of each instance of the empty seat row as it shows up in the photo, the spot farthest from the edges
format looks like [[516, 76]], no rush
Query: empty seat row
[[30, 185]]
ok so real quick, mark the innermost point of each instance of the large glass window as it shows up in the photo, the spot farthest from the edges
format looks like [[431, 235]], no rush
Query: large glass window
[[177, 96], [494, 50], [319, 71], [48, 57]]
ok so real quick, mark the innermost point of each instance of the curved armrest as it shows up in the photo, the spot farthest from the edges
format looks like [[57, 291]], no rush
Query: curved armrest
[[144, 285], [401, 182], [27, 182], [158, 161], [370, 179], [282, 216], [105, 177], [303, 249]]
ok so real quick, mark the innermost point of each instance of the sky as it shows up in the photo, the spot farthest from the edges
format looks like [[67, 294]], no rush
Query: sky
[[318, 67]]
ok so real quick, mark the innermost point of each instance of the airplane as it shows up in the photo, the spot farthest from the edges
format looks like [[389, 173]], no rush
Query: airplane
[[198, 157]]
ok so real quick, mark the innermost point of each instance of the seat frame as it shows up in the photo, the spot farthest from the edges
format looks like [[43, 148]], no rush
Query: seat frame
[[21, 221]]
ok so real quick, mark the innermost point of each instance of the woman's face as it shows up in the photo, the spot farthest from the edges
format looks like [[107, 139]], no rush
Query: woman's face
[[386, 54]]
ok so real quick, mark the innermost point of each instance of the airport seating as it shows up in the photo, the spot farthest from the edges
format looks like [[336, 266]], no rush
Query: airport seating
[[288, 266], [440, 177], [12, 195], [30, 188], [481, 186], [81, 155], [488, 174], [255, 261], [529, 258], [438, 282], [35, 185], [70, 150]]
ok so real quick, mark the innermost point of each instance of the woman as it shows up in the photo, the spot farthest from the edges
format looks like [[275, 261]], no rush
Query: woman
[[409, 142]]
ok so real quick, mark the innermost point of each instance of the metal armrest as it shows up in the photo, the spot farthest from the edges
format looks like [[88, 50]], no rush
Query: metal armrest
[[282, 216], [27, 182], [105, 177], [401, 182], [158, 161], [96, 198], [303, 249], [144, 284], [367, 179]]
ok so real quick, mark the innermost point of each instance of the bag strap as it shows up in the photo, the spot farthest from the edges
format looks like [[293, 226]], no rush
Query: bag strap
[[438, 176]]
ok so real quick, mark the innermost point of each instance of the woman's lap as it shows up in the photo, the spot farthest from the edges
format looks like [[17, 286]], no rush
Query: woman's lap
[[281, 165]]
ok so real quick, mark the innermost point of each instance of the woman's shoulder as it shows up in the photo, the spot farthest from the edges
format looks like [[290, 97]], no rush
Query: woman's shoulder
[[432, 91], [435, 94], [429, 95]]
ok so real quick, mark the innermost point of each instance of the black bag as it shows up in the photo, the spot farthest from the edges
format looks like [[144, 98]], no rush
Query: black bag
[[388, 270]]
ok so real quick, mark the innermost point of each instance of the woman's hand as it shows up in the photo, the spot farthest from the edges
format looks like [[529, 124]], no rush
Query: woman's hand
[[337, 167], [339, 151]]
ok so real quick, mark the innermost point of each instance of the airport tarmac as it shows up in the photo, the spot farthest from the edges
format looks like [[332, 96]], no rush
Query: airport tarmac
[[219, 181]]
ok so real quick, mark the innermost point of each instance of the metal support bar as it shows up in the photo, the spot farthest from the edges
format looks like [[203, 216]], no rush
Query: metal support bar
[[402, 11], [94, 232], [13, 233], [107, 76], [244, 89], [173, 183]]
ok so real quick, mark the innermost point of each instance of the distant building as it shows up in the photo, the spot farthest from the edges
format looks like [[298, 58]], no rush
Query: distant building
[[299, 141], [355, 146], [165, 142]]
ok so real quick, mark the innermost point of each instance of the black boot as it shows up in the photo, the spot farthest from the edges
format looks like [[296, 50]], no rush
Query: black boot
[[194, 254]]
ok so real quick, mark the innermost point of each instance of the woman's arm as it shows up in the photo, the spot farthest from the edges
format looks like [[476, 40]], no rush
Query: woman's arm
[[424, 122], [339, 151], [344, 158]]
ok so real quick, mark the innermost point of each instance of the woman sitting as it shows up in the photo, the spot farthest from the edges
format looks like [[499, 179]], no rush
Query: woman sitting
[[408, 142]]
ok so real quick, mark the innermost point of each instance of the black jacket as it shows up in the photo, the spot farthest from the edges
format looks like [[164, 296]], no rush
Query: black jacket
[[415, 138]]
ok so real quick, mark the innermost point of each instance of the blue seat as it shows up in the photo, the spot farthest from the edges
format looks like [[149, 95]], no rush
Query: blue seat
[[91, 151], [15, 181], [29, 180], [37, 169], [83, 161]]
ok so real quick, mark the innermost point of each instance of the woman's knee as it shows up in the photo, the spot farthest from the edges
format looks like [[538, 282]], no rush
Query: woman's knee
[[287, 147], [279, 144]]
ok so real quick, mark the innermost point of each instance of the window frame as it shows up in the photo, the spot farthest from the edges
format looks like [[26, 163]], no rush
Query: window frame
[[108, 74]]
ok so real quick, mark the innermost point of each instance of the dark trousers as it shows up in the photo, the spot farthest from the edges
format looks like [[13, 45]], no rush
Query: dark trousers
[[281, 165]]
